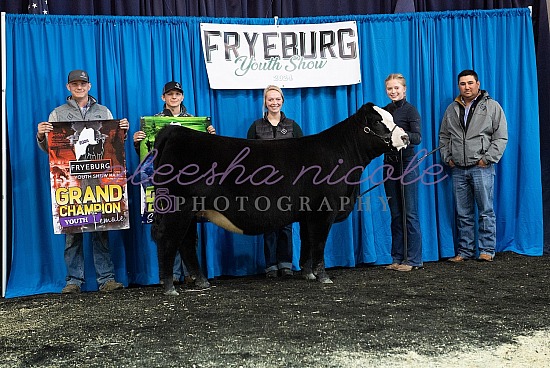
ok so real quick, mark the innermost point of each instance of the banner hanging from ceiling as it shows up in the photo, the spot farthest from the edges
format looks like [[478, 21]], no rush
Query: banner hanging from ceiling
[[290, 56]]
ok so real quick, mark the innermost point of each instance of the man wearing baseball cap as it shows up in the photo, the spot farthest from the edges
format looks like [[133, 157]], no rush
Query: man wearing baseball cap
[[172, 95], [170, 86], [80, 106], [78, 75]]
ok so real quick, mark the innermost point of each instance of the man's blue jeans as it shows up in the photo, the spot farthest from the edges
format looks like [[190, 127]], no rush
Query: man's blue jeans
[[395, 201], [74, 258], [475, 186], [278, 249]]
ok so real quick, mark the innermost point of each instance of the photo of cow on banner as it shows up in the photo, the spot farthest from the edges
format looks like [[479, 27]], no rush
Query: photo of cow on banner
[[87, 160], [151, 125]]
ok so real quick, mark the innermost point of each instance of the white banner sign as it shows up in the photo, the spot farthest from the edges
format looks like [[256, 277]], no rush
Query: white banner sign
[[291, 56]]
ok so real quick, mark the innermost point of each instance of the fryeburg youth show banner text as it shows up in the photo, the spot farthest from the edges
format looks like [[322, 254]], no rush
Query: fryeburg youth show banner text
[[290, 56]]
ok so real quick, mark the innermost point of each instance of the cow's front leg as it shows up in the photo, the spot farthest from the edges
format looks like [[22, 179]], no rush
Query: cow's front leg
[[167, 244], [315, 235], [305, 265], [166, 259], [168, 284], [166, 251], [315, 270], [307, 272], [321, 274], [318, 260], [305, 253], [199, 280]]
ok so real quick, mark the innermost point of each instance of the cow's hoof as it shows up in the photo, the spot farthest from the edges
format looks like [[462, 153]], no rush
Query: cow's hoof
[[325, 280], [202, 284], [309, 276], [171, 292]]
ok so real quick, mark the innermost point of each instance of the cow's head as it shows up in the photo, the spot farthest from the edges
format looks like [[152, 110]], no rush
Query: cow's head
[[380, 123]]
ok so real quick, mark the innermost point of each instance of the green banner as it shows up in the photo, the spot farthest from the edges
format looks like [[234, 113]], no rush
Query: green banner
[[151, 125]]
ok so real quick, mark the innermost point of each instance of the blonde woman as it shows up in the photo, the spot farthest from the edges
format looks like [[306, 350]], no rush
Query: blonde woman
[[275, 125], [406, 249]]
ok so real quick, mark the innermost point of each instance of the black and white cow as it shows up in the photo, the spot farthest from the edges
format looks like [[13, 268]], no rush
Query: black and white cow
[[95, 151], [256, 186]]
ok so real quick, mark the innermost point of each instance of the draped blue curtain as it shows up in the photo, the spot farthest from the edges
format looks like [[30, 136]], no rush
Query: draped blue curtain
[[130, 58]]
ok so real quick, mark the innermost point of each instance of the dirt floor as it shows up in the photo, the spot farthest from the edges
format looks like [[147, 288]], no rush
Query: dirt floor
[[445, 315]]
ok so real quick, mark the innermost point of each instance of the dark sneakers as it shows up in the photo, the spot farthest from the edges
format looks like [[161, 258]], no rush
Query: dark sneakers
[[283, 272], [286, 272], [271, 274]]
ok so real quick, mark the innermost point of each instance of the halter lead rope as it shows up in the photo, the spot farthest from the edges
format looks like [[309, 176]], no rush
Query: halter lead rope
[[417, 161]]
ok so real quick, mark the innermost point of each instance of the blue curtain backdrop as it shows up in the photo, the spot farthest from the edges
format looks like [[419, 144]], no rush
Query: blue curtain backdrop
[[130, 58]]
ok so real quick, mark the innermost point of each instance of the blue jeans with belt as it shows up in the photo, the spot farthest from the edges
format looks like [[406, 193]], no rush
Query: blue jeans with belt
[[74, 258], [278, 249], [474, 186], [396, 192]]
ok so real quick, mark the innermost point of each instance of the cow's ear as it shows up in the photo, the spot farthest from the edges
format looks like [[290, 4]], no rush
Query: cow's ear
[[370, 113]]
